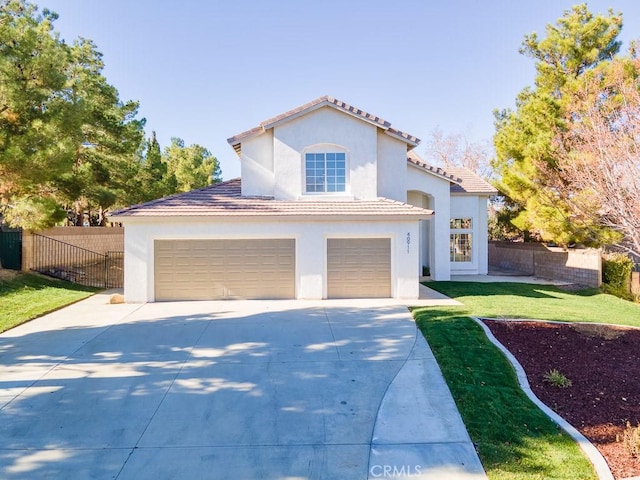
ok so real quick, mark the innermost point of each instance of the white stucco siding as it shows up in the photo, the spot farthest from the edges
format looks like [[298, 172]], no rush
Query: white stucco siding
[[419, 199], [257, 165], [311, 247], [474, 207], [438, 190], [325, 126], [392, 170]]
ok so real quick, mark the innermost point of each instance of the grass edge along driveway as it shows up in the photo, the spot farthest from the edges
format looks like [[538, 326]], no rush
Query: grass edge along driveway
[[515, 440], [28, 296]]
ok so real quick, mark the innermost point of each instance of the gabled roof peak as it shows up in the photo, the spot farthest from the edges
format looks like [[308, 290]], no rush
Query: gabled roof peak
[[324, 101]]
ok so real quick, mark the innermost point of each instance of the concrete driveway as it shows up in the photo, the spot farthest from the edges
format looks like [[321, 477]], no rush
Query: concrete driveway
[[241, 389]]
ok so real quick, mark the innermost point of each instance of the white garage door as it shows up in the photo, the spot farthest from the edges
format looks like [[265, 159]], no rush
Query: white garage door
[[358, 267], [224, 269]]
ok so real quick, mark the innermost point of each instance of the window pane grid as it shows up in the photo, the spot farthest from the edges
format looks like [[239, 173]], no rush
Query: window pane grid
[[325, 172], [460, 240], [460, 224], [460, 247]]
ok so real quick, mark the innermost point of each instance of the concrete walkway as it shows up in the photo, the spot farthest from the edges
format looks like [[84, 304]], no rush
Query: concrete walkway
[[242, 389]]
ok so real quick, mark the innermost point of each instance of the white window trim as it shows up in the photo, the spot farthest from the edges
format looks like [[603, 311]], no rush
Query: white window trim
[[326, 148], [470, 231]]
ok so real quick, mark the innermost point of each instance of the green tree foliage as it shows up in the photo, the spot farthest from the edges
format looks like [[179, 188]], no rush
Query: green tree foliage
[[103, 133], [526, 154], [68, 144], [67, 140], [576, 44], [177, 169], [33, 66], [155, 181], [191, 167]]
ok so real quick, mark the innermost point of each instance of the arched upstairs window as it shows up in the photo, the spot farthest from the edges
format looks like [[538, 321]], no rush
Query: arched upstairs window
[[325, 169]]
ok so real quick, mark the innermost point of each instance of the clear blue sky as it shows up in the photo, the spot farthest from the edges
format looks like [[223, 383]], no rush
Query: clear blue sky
[[207, 70]]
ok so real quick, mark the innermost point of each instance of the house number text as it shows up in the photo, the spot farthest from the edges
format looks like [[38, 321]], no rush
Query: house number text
[[408, 241]]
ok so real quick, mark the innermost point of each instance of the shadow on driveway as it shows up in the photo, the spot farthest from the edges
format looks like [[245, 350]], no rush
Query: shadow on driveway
[[248, 389]]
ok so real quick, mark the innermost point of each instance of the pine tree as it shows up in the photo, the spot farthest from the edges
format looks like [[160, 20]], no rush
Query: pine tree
[[526, 154]]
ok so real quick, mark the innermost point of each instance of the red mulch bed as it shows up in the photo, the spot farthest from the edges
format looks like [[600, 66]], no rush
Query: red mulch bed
[[603, 364]]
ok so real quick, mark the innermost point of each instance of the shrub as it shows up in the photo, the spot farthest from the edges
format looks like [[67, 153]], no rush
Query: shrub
[[616, 274], [606, 332], [631, 439], [557, 379]]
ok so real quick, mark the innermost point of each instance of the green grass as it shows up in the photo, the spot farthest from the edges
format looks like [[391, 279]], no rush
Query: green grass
[[541, 302], [28, 296], [515, 440]]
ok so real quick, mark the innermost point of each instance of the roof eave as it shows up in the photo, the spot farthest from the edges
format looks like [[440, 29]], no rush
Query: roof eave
[[475, 194], [182, 217], [449, 179], [410, 140]]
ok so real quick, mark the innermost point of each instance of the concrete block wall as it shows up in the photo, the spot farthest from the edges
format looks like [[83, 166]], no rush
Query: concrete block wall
[[96, 239], [580, 266], [635, 283], [511, 259]]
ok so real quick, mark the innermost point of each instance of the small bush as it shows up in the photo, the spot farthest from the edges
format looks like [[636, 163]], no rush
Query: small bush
[[605, 332], [631, 440], [557, 379], [616, 274]]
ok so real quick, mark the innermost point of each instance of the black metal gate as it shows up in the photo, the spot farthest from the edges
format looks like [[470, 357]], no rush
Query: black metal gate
[[76, 264], [11, 249]]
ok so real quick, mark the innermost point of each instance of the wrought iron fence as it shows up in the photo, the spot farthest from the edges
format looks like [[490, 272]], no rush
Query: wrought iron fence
[[76, 264]]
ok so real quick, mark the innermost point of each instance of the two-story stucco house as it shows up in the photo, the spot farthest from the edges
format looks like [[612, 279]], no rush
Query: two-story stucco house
[[332, 203]]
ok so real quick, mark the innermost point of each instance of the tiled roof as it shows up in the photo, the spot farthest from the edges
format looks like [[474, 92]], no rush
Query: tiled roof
[[462, 179], [414, 159], [236, 140], [225, 200], [469, 182]]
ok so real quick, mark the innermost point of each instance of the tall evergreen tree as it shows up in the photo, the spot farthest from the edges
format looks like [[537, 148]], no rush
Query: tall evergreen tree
[[68, 144], [155, 181], [66, 138], [104, 133], [33, 65], [192, 166], [524, 141]]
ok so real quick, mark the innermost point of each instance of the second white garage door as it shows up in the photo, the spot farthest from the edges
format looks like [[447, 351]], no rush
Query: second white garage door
[[358, 267], [224, 269]]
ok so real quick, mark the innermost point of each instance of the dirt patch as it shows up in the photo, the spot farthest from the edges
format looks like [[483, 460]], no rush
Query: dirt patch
[[8, 274], [603, 365]]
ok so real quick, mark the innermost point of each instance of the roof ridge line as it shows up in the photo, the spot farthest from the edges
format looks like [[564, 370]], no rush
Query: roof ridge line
[[378, 121]]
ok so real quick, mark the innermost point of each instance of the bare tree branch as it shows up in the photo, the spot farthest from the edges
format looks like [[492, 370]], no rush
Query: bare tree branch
[[457, 150], [599, 154]]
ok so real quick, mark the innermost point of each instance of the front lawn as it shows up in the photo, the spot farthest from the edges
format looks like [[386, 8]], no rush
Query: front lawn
[[28, 296], [540, 302], [515, 439]]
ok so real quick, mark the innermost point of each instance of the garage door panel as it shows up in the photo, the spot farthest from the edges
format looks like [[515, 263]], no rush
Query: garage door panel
[[358, 267], [224, 269]]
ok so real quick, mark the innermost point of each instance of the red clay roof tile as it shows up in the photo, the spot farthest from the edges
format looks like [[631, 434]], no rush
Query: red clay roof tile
[[470, 182], [225, 200], [462, 179]]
